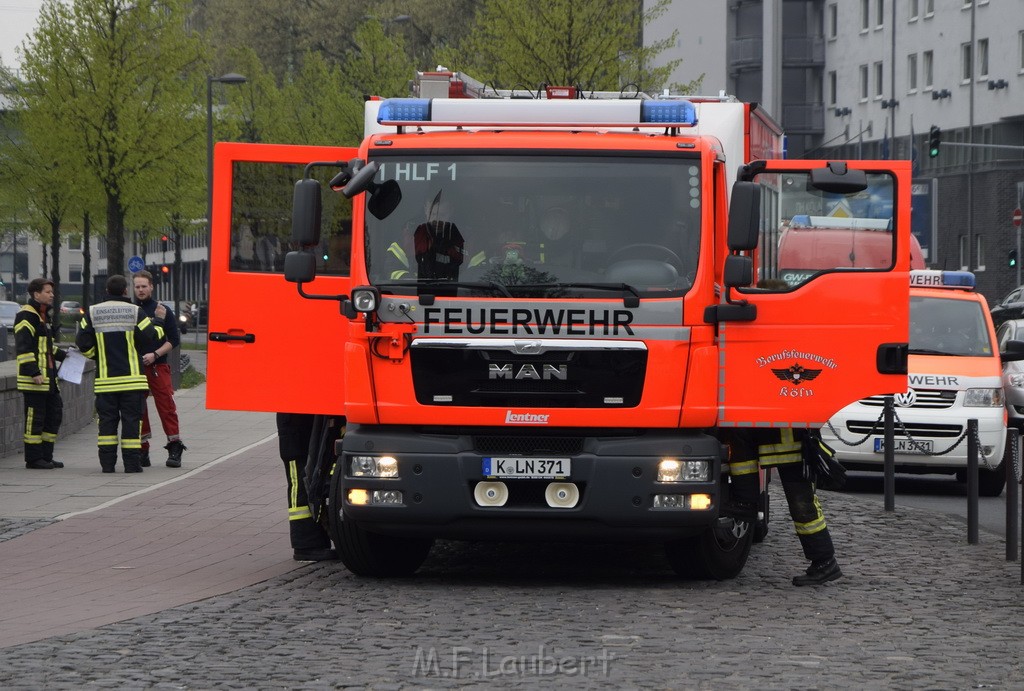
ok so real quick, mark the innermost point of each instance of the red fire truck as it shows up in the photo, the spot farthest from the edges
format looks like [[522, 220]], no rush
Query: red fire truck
[[538, 314]]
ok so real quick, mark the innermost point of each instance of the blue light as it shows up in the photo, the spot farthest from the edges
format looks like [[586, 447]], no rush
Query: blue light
[[933, 278], [674, 112], [958, 279], [404, 110]]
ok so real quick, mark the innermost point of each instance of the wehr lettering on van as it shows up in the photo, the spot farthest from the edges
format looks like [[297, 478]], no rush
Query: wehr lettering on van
[[934, 380], [522, 321]]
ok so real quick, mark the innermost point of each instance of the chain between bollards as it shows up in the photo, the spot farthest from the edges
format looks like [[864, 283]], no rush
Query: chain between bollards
[[972, 481], [889, 459]]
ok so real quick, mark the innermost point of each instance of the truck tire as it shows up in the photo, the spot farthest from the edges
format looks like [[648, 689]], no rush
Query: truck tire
[[715, 553], [991, 482], [372, 554]]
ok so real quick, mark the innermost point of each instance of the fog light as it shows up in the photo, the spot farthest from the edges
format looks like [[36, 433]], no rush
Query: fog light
[[373, 466], [672, 470], [386, 496], [359, 497], [700, 502], [562, 495], [669, 501]]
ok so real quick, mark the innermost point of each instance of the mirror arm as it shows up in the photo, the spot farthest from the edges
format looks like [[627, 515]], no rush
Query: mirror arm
[[310, 296]]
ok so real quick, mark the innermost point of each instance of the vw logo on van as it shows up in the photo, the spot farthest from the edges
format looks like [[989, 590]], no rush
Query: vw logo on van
[[906, 400]]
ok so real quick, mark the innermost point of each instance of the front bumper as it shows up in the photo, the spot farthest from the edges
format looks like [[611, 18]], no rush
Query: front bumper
[[614, 471]]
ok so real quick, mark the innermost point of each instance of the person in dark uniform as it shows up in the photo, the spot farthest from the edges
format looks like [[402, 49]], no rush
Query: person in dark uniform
[[113, 333], [37, 375], [782, 449], [309, 540]]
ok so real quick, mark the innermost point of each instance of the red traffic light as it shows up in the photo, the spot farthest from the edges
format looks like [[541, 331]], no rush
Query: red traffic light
[[165, 269], [163, 238]]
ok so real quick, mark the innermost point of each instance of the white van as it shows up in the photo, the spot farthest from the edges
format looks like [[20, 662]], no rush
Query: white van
[[955, 375]]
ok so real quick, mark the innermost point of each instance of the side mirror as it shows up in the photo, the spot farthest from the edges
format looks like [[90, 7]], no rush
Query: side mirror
[[299, 267], [837, 178], [744, 216], [739, 271], [361, 180], [307, 211], [1014, 352]]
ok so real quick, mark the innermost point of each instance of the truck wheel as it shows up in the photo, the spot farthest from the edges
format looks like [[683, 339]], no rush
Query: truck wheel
[[991, 482], [716, 553], [372, 554], [761, 525]]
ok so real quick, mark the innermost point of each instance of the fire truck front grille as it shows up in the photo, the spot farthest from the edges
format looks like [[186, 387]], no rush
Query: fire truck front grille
[[924, 399], [919, 429], [584, 378], [509, 445]]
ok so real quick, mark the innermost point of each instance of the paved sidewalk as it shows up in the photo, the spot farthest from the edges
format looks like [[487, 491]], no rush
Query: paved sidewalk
[[121, 545]]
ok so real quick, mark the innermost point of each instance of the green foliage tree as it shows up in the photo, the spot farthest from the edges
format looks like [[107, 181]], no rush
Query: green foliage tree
[[595, 44], [125, 78]]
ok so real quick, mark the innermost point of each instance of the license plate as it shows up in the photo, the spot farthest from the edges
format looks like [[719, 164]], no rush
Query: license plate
[[527, 467], [921, 446]]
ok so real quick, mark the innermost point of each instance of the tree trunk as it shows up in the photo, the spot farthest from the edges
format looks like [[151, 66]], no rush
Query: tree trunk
[[115, 235], [55, 275], [86, 262]]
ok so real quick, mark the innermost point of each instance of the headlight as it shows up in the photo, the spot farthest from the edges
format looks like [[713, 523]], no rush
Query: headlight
[[1016, 379], [373, 466], [365, 299], [672, 470], [984, 398]]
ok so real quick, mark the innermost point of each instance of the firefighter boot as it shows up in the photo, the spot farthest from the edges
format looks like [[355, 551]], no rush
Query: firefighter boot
[[132, 460], [819, 572], [144, 459], [108, 458], [174, 450], [48, 454]]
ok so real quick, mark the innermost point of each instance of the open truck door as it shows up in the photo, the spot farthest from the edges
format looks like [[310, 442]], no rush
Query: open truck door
[[268, 348], [798, 347]]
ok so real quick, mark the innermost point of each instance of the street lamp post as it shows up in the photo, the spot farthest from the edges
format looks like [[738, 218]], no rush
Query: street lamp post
[[229, 78]]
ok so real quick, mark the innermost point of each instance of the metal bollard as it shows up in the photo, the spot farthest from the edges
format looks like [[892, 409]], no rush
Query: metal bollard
[[972, 482], [1011, 458], [889, 458]]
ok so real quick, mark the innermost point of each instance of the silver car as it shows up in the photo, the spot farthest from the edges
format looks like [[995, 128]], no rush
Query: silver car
[[8, 310], [1013, 372]]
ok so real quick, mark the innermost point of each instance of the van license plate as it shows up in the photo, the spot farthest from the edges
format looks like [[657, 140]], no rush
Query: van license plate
[[904, 445], [527, 467]]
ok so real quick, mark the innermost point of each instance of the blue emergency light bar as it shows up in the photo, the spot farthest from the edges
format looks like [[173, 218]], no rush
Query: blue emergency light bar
[[929, 278], [541, 112]]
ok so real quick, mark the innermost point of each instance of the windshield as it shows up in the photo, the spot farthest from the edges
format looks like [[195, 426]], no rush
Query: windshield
[[9, 310], [948, 327], [537, 225]]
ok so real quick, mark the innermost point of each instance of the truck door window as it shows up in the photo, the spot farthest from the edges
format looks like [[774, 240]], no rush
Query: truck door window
[[540, 225], [807, 231], [261, 220]]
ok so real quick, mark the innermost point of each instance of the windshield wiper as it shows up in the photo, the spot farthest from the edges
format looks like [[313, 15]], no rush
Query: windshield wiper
[[929, 351], [621, 287], [418, 283]]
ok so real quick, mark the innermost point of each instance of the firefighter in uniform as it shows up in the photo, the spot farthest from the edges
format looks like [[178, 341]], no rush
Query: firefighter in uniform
[[37, 375], [782, 449], [308, 538], [113, 333]]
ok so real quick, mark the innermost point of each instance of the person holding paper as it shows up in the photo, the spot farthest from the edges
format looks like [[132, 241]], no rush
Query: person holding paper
[[37, 356]]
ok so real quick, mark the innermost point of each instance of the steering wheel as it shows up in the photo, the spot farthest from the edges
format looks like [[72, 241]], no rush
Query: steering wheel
[[646, 250]]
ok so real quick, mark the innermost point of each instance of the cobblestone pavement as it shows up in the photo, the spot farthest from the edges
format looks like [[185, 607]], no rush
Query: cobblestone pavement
[[918, 608]]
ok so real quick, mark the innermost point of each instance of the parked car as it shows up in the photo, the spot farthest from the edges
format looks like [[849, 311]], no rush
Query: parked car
[[1013, 373], [1010, 307], [183, 312], [71, 312], [7, 312]]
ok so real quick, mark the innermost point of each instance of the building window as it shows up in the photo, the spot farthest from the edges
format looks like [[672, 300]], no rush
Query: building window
[[979, 248], [75, 242], [879, 14], [966, 69], [863, 82], [929, 8], [912, 72], [832, 88], [1020, 51], [865, 15], [913, 10], [75, 273], [833, 20], [964, 251], [929, 69], [982, 58], [879, 85]]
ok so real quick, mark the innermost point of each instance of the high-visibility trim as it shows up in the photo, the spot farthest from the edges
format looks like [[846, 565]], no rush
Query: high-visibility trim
[[299, 513], [22, 325], [131, 443], [742, 468], [136, 382], [25, 357], [812, 527], [32, 440], [478, 258], [49, 436], [398, 274], [781, 459], [293, 484], [107, 440]]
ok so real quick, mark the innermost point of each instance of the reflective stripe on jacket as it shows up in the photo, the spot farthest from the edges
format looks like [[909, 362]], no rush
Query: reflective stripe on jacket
[[113, 333]]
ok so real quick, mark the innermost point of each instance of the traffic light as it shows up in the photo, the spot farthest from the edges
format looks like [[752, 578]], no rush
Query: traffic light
[[934, 139], [163, 243], [1013, 258], [164, 269]]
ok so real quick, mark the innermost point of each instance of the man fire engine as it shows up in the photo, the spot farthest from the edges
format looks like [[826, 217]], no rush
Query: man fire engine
[[588, 322]]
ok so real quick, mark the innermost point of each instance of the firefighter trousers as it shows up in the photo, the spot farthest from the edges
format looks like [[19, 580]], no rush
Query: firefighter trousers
[[44, 411], [293, 433], [124, 409]]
